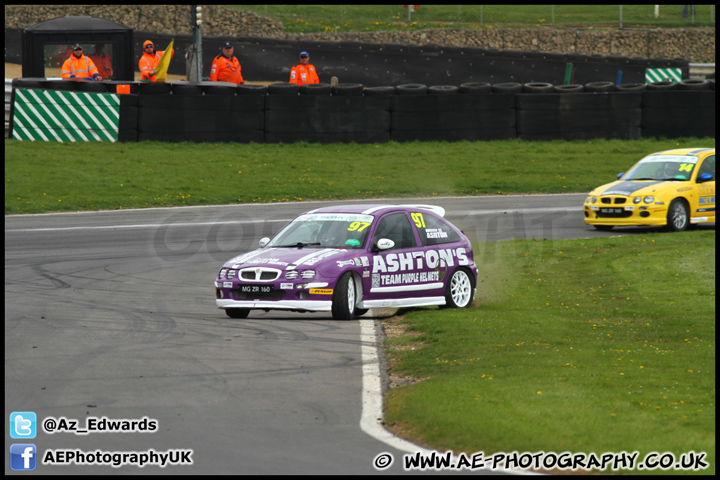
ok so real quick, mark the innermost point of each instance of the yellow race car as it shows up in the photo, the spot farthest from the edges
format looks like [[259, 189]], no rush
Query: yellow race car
[[674, 188]]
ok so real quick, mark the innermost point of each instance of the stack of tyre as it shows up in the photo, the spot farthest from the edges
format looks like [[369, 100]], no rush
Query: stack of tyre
[[685, 109], [200, 112], [548, 112], [320, 113], [471, 111]]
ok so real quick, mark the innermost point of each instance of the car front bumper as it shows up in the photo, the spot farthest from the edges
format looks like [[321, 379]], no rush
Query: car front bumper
[[627, 215], [295, 305]]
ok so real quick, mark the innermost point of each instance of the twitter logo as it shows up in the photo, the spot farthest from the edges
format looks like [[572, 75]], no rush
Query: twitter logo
[[23, 425]]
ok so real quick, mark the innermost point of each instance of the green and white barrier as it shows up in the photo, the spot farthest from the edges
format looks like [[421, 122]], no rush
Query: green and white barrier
[[62, 116], [663, 75]]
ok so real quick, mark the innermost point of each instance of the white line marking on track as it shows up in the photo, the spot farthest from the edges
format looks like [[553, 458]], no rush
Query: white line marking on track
[[372, 400]]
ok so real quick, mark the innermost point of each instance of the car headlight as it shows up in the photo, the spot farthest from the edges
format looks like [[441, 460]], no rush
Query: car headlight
[[587, 200], [307, 274], [230, 274], [649, 199], [594, 199], [291, 274], [223, 271]]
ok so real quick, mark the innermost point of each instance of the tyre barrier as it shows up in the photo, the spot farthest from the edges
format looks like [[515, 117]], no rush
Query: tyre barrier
[[475, 88], [283, 89], [600, 87], [537, 87], [283, 112], [218, 88], [452, 117], [315, 89], [678, 113], [149, 88], [200, 118], [186, 88], [63, 85], [92, 86], [696, 84], [630, 87], [573, 88], [327, 119], [379, 91], [411, 89], [348, 89], [508, 87], [571, 116], [255, 90], [443, 90], [663, 85]]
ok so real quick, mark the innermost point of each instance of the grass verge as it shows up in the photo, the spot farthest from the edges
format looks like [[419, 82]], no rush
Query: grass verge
[[589, 345], [363, 18], [47, 176]]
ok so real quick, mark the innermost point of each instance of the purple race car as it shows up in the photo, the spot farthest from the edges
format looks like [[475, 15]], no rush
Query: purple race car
[[348, 259]]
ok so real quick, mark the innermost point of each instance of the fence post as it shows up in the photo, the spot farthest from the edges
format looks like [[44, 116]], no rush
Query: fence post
[[620, 16]]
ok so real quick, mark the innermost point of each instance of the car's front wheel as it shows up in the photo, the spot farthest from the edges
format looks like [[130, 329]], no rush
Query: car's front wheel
[[678, 217], [343, 301], [459, 290], [237, 312]]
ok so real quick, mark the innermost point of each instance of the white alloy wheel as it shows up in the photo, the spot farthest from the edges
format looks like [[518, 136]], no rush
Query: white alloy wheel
[[460, 290]]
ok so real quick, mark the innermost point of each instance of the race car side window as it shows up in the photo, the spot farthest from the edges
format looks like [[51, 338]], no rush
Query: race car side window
[[397, 228], [433, 230], [708, 166]]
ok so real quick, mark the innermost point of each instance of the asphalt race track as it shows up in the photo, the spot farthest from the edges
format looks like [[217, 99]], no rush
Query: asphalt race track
[[112, 314]]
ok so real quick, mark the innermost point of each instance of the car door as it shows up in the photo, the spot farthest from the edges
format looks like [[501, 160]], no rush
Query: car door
[[703, 202], [403, 275]]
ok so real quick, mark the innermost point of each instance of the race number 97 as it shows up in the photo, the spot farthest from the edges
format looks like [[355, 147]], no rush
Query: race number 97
[[358, 226], [418, 219]]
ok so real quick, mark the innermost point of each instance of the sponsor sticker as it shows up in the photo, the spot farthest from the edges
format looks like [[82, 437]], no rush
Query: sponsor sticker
[[321, 291]]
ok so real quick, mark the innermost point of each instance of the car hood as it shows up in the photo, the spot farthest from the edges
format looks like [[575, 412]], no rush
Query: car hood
[[290, 258], [628, 187]]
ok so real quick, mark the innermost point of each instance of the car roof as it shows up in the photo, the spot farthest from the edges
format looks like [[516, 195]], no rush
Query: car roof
[[379, 209], [685, 151]]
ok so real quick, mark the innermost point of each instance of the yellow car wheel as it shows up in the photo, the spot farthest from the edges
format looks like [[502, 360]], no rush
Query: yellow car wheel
[[678, 217]]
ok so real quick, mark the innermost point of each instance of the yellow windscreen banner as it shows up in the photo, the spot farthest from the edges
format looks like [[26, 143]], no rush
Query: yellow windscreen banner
[[162, 66]]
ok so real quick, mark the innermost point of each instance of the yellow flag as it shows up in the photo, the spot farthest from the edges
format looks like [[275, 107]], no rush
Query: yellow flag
[[162, 66]]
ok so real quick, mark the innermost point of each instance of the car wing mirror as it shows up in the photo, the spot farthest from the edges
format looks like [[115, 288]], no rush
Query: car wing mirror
[[264, 241], [385, 244], [704, 177], [620, 175]]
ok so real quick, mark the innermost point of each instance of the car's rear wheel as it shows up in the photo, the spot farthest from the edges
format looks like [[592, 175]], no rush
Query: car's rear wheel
[[678, 217], [343, 301], [459, 290], [237, 312]]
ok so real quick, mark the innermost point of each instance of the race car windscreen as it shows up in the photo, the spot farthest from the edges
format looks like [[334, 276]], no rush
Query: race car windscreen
[[325, 230], [662, 167]]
